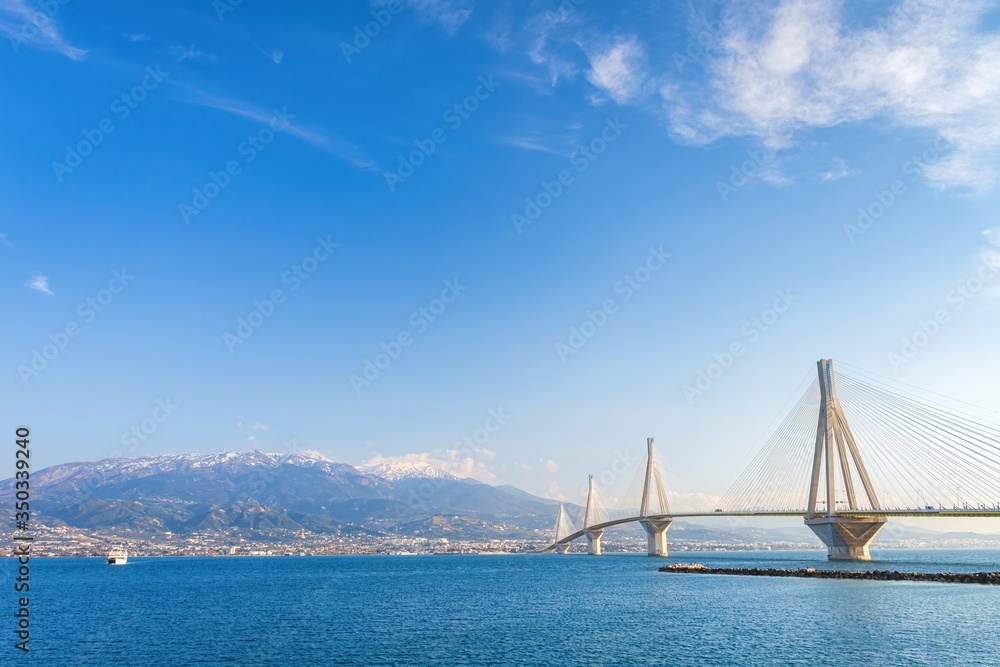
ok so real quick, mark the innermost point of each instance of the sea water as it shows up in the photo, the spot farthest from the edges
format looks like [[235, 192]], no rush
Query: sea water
[[500, 610]]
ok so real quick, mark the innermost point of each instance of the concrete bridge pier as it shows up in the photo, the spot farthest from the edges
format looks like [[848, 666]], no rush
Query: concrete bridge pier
[[846, 538], [656, 535], [594, 541], [562, 548]]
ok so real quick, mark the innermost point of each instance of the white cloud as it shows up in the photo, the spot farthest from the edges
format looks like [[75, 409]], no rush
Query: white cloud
[[990, 258], [138, 37], [40, 283], [524, 467], [554, 492], [182, 53], [837, 171], [276, 55], [326, 141], [474, 464], [783, 68], [483, 453], [550, 465], [992, 236], [27, 25], [256, 425], [451, 14], [553, 32], [536, 133], [618, 70]]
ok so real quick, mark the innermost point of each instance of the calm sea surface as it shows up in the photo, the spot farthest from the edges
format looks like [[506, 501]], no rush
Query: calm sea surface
[[499, 610]]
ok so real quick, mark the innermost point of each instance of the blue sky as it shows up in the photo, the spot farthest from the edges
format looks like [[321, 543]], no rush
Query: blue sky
[[475, 185]]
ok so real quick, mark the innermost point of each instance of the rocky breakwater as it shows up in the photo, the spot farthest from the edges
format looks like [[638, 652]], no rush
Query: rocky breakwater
[[992, 578]]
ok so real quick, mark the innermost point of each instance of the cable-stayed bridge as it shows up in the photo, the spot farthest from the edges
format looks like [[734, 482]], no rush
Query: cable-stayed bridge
[[848, 455]]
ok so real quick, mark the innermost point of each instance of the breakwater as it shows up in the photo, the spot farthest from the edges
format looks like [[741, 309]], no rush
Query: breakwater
[[992, 578]]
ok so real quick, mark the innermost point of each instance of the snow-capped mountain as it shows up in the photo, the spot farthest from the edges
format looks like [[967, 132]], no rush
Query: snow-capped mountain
[[397, 470], [301, 490]]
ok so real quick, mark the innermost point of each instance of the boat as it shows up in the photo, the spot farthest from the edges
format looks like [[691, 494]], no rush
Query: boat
[[118, 555]]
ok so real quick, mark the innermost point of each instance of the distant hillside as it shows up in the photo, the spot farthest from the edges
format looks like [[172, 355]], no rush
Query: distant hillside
[[265, 492]]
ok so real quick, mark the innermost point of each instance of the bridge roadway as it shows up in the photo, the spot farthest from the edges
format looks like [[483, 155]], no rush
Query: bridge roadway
[[937, 512]]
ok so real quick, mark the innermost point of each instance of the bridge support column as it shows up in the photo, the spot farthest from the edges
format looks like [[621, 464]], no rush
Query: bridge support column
[[594, 541], [656, 535], [846, 538], [562, 548]]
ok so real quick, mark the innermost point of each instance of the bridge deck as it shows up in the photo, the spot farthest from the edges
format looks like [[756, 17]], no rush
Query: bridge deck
[[951, 513]]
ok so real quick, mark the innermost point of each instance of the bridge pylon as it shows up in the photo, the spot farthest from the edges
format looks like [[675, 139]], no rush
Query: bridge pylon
[[562, 530], [591, 517], [656, 529], [846, 538]]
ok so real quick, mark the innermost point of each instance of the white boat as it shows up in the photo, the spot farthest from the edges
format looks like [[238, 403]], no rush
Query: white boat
[[118, 555]]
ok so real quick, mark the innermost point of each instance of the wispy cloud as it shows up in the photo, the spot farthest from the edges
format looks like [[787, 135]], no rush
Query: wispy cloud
[[182, 53], [256, 425], [554, 492], [545, 136], [327, 141], [554, 42], [4, 241], [992, 236], [277, 55], [178, 52], [450, 14], [838, 171], [27, 25], [617, 71], [784, 67], [40, 283], [990, 257]]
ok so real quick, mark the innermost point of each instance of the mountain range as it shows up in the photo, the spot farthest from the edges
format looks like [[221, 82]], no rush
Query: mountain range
[[255, 490]]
